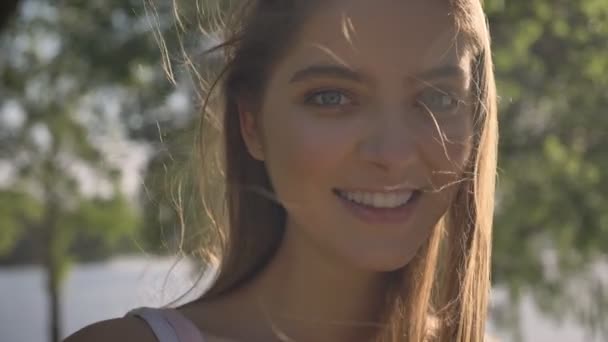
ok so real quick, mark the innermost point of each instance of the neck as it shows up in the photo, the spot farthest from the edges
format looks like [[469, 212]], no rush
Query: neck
[[312, 296]]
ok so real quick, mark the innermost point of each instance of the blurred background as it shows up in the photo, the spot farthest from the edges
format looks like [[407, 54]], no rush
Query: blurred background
[[94, 138]]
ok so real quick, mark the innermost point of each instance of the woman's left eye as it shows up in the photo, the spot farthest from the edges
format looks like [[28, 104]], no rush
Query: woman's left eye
[[439, 101], [329, 98]]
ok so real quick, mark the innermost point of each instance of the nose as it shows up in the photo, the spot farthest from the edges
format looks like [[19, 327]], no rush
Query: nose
[[390, 143]]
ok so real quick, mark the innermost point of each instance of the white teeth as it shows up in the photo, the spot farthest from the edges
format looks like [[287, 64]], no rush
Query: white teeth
[[378, 199]]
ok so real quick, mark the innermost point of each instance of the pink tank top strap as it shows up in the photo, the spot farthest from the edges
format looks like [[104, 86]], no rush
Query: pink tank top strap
[[186, 330], [168, 325]]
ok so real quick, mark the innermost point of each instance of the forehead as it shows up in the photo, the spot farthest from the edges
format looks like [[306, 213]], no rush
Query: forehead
[[384, 36]]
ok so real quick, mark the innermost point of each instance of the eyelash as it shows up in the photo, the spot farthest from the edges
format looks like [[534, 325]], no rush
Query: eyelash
[[456, 102], [309, 98], [454, 106]]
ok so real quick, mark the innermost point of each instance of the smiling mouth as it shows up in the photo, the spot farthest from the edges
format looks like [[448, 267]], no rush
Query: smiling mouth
[[379, 200]]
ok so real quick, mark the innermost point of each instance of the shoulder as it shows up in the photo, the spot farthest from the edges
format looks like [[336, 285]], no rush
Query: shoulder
[[114, 330]]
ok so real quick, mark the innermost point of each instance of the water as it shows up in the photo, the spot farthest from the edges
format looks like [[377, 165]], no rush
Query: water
[[92, 292], [95, 292]]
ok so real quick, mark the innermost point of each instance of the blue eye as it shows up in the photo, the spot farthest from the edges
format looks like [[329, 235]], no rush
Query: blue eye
[[439, 101], [328, 98]]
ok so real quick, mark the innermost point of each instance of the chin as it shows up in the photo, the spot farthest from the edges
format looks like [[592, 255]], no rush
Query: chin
[[385, 262]]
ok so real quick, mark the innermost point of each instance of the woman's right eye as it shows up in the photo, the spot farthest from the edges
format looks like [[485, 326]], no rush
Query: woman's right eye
[[328, 98]]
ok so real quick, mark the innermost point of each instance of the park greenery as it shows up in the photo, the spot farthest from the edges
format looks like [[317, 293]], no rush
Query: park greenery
[[84, 81]]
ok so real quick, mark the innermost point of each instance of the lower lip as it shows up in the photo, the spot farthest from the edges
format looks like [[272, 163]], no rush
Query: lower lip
[[371, 215]]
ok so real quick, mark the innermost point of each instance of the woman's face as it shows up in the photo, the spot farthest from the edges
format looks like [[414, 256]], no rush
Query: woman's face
[[365, 128]]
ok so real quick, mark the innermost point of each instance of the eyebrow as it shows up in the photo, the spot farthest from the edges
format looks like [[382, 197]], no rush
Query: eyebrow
[[336, 71], [444, 71]]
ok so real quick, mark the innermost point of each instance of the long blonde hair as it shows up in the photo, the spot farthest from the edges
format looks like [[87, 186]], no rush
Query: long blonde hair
[[442, 294]]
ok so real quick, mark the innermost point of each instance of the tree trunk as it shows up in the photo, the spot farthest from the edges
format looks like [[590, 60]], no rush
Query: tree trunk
[[53, 293], [7, 10], [51, 245]]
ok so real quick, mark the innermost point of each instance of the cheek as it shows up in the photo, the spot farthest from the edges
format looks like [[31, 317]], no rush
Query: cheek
[[303, 154], [445, 164], [446, 150]]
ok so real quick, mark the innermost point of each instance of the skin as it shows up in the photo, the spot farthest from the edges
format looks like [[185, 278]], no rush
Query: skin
[[372, 129]]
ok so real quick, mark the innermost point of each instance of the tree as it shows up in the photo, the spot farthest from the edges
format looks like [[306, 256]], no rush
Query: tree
[[70, 67], [552, 224]]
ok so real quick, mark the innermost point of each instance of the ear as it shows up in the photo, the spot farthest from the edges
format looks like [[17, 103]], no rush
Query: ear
[[250, 131]]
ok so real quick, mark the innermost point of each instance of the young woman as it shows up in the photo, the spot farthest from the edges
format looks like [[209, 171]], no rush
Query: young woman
[[360, 157]]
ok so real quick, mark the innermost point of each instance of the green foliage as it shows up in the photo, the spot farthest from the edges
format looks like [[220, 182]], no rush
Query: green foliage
[[111, 219], [75, 71], [15, 207], [552, 224], [94, 60]]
